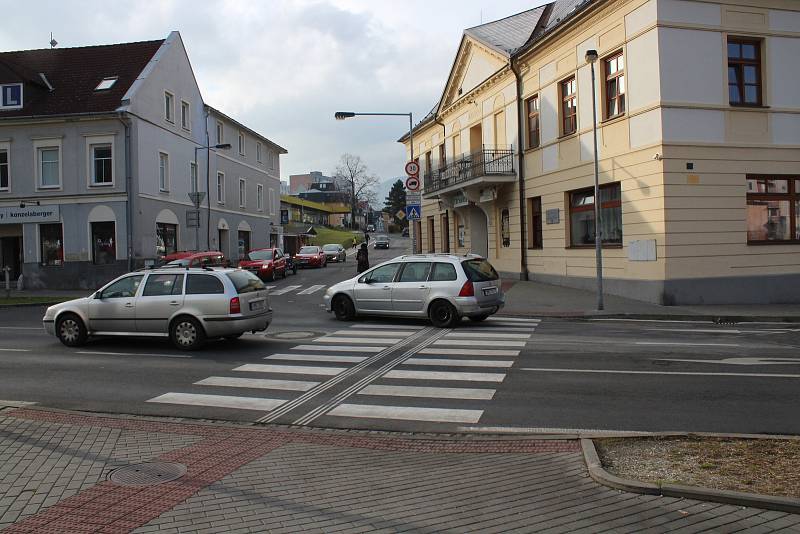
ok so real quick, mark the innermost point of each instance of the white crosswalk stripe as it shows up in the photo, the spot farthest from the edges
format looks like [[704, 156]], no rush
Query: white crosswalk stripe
[[316, 358], [359, 340], [339, 348], [392, 326], [310, 290], [446, 375], [470, 352], [478, 343], [491, 335], [284, 290], [404, 333], [447, 362], [429, 392], [256, 383], [219, 401], [406, 413], [289, 369], [497, 318]]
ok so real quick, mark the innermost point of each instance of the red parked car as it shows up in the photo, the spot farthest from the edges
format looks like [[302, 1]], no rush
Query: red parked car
[[209, 258], [266, 263], [310, 256]]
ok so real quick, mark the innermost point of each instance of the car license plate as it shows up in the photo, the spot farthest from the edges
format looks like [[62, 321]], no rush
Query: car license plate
[[257, 305], [490, 291]]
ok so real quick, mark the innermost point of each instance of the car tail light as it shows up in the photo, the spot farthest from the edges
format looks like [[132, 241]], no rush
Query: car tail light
[[467, 290], [235, 306]]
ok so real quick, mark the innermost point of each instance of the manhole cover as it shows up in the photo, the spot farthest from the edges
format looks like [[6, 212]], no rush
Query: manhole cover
[[294, 335], [147, 474]]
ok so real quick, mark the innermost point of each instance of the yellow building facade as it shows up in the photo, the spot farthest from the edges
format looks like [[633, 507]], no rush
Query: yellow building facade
[[698, 134]]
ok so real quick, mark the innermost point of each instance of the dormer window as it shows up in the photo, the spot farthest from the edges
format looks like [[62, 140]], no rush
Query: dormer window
[[106, 84], [11, 96]]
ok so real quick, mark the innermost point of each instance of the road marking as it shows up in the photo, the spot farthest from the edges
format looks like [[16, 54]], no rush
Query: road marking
[[499, 318], [478, 343], [374, 332], [487, 334], [699, 321], [680, 373], [316, 358], [269, 287], [284, 290], [40, 328], [446, 375], [290, 369], [256, 383], [16, 404], [312, 289], [670, 343], [380, 326], [516, 326], [698, 330], [741, 361], [405, 413], [447, 362], [102, 353], [358, 340], [471, 352], [339, 348], [15, 350], [218, 401], [429, 392]]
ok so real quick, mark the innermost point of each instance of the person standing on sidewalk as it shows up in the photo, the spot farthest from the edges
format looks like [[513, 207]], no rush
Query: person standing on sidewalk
[[355, 242], [362, 258]]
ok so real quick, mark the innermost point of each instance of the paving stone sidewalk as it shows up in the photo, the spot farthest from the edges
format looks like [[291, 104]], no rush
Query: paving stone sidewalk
[[54, 470]]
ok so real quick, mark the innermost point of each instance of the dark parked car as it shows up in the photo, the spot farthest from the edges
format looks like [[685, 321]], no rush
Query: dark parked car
[[381, 241], [334, 252]]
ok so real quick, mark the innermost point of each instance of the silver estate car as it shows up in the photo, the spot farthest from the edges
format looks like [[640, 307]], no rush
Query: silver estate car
[[186, 304], [441, 287]]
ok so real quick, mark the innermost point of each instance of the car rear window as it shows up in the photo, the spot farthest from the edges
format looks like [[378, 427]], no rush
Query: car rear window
[[204, 284], [479, 270], [443, 272], [331, 248], [245, 281], [309, 250]]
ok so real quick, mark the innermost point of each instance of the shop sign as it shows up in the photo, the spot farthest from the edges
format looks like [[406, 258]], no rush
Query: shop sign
[[30, 214]]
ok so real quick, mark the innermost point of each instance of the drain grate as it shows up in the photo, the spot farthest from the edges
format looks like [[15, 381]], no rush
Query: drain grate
[[147, 474]]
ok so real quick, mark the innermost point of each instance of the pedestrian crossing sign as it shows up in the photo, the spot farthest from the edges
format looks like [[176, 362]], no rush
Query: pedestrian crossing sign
[[413, 212]]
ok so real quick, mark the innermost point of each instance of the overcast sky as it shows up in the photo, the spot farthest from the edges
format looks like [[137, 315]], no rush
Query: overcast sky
[[283, 67]]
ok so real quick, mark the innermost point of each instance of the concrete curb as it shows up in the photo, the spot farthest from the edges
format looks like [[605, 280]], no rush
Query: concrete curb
[[566, 314], [736, 498]]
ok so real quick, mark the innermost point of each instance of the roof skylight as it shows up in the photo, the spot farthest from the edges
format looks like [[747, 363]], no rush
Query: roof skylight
[[106, 84]]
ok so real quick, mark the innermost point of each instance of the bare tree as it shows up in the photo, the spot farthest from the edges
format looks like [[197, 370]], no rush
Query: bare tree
[[353, 177]]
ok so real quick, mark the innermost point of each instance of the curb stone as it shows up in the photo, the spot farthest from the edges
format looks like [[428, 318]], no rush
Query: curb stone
[[727, 319], [736, 498]]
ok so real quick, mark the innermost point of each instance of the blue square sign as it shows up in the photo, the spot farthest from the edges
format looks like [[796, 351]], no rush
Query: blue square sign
[[413, 212]]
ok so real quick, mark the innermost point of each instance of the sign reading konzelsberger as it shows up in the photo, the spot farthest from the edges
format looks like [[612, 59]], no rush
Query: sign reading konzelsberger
[[29, 214]]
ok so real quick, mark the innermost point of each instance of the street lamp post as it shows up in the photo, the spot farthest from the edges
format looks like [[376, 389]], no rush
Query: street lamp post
[[207, 148], [342, 115], [591, 58]]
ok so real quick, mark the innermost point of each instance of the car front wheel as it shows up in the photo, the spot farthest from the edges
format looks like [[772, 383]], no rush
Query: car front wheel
[[343, 308], [186, 333], [71, 330], [442, 314]]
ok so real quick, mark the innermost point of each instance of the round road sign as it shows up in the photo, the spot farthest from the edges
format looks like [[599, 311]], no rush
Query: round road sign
[[412, 168], [412, 183]]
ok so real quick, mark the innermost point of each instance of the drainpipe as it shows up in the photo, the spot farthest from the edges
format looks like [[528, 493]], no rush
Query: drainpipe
[[128, 189], [208, 189], [523, 245]]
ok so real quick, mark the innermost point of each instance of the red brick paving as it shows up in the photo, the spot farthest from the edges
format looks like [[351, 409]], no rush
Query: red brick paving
[[111, 509]]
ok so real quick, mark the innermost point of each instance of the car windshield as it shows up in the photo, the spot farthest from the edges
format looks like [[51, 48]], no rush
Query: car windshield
[[331, 248], [479, 270], [255, 255], [309, 250], [381, 238], [245, 281]]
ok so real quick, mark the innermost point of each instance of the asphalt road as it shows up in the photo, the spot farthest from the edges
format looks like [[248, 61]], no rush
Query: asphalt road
[[503, 375]]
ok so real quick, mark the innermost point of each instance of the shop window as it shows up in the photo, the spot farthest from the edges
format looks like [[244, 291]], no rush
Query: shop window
[[104, 245], [166, 239], [102, 165], [535, 222], [581, 216], [614, 69], [505, 227], [51, 240], [744, 72], [773, 209]]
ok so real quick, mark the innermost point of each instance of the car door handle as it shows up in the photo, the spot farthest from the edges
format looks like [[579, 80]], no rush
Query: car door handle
[[386, 288], [423, 287], [129, 305], [174, 303]]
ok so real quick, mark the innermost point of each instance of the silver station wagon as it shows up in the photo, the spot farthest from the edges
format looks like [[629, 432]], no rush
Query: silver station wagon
[[187, 304], [441, 287]]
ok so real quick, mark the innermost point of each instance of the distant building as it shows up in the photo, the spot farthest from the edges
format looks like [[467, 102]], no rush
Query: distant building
[[300, 183]]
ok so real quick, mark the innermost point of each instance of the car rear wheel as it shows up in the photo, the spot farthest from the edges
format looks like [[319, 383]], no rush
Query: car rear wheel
[[343, 308], [71, 330], [186, 333], [442, 314], [478, 318]]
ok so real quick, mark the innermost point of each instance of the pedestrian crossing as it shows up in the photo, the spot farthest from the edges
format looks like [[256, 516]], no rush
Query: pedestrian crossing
[[389, 371], [295, 289]]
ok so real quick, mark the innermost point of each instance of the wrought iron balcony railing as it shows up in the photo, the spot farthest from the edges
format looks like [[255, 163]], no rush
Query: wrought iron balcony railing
[[484, 162]]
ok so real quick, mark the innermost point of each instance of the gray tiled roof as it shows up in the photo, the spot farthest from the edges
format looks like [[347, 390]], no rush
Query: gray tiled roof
[[508, 34], [563, 9]]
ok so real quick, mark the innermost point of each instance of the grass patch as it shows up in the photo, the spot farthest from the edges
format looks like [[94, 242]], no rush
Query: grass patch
[[766, 466], [329, 235], [16, 301]]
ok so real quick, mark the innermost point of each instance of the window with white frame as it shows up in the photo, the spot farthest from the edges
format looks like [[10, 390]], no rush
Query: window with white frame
[[220, 133], [260, 197], [11, 96], [185, 115], [271, 201], [163, 171], [193, 176], [258, 152], [169, 106], [49, 166], [242, 192], [241, 143], [102, 164], [220, 188], [5, 168]]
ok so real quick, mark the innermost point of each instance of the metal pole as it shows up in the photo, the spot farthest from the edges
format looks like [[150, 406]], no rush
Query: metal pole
[[412, 231], [598, 238]]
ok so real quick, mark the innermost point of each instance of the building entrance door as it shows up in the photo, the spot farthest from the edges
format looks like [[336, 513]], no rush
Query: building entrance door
[[11, 255], [479, 231]]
